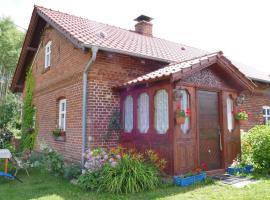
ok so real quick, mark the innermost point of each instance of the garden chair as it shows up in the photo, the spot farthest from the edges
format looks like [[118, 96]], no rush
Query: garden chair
[[21, 161]]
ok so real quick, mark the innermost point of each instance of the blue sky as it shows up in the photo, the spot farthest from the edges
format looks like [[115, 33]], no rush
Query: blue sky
[[240, 28]]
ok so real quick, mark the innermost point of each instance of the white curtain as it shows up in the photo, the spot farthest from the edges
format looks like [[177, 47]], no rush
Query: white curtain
[[128, 114], [161, 111], [184, 102], [143, 112], [230, 119]]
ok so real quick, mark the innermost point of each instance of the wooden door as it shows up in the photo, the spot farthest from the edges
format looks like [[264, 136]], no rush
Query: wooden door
[[209, 129]]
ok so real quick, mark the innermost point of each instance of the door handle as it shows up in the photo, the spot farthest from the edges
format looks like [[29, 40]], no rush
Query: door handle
[[220, 139]]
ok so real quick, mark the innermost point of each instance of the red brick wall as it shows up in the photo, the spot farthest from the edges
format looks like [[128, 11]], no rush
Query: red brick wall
[[253, 104], [64, 80]]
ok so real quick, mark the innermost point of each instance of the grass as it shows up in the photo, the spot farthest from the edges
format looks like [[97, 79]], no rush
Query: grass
[[41, 186]]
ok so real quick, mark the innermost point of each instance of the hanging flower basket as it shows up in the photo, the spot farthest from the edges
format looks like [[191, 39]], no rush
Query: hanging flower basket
[[242, 117], [180, 120], [242, 122], [181, 115]]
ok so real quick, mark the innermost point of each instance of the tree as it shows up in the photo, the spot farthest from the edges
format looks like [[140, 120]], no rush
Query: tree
[[10, 46]]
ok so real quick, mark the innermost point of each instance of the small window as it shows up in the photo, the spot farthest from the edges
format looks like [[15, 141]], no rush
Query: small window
[[184, 102], [62, 114], [230, 117], [48, 51], [266, 114], [161, 112], [128, 114], [143, 113]]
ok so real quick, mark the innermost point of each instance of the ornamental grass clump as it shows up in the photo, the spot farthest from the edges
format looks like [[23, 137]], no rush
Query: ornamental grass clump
[[121, 171], [130, 175]]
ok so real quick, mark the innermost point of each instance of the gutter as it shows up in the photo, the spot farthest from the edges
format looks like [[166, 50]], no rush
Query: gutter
[[129, 53], [88, 67]]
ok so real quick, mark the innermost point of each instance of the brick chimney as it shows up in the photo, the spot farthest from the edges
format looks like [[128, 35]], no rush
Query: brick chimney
[[144, 26]]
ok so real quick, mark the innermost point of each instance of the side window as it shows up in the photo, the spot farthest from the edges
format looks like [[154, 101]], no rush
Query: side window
[[230, 117], [48, 51], [184, 103], [161, 111], [143, 112], [62, 114], [128, 114], [266, 114]]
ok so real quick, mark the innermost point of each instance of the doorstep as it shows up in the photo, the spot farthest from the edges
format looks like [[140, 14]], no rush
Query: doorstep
[[215, 172]]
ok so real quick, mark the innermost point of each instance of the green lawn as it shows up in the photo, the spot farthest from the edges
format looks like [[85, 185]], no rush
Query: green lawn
[[42, 186]]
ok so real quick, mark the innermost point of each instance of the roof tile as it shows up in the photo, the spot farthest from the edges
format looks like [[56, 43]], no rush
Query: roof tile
[[87, 32]]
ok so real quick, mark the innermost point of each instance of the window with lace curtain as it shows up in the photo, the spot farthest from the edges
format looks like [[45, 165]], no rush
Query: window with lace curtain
[[161, 111], [184, 102], [143, 112], [230, 117], [128, 114]]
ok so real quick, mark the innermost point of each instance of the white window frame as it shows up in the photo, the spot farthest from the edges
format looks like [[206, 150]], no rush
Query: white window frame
[[161, 118], [61, 112], [143, 113], [48, 55], [185, 106], [128, 114], [266, 117]]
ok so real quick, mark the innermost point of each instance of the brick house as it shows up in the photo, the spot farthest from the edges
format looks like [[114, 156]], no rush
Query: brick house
[[84, 70]]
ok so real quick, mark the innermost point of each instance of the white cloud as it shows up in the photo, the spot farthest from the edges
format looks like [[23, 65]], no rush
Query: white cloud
[[238, 28]]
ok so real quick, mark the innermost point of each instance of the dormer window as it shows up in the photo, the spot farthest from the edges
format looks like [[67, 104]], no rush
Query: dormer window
[[48, 51]]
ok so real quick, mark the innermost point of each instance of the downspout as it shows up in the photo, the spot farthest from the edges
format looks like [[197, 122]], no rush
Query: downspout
[[94, 50]]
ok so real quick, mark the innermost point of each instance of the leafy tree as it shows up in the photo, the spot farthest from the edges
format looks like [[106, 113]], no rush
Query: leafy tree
[[10, 46], [9, 119], [9, 112]]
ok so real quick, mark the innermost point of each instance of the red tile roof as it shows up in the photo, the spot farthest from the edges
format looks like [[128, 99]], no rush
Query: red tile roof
[[86, 32], [171, 69]]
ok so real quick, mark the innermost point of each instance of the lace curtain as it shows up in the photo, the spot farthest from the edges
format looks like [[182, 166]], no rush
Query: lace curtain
[[143, 112], [128, 114], [161, 111], [184, 102]]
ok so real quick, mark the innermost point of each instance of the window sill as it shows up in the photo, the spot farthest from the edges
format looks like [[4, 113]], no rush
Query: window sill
[[46, 69], [60, 138]]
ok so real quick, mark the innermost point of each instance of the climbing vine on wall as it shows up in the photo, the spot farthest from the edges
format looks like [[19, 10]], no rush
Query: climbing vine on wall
[[29, 131]]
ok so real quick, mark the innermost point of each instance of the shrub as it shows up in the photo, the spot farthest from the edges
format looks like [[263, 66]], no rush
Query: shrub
[[51, 160], [256, 147], [96, 159], [90, 180], [72, 171], [36, 159], [5, 138]]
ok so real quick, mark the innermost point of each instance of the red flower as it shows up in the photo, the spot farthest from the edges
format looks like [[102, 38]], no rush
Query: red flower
[[178, 106], [188, 112]]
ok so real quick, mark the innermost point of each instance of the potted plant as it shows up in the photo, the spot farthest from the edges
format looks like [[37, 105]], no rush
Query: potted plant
[[238, 167], [242, 117], [198, 174], [59, 134]]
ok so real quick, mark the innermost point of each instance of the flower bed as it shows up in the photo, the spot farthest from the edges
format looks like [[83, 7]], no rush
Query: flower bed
[[186, 181], [246, 170], [196, 175]]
